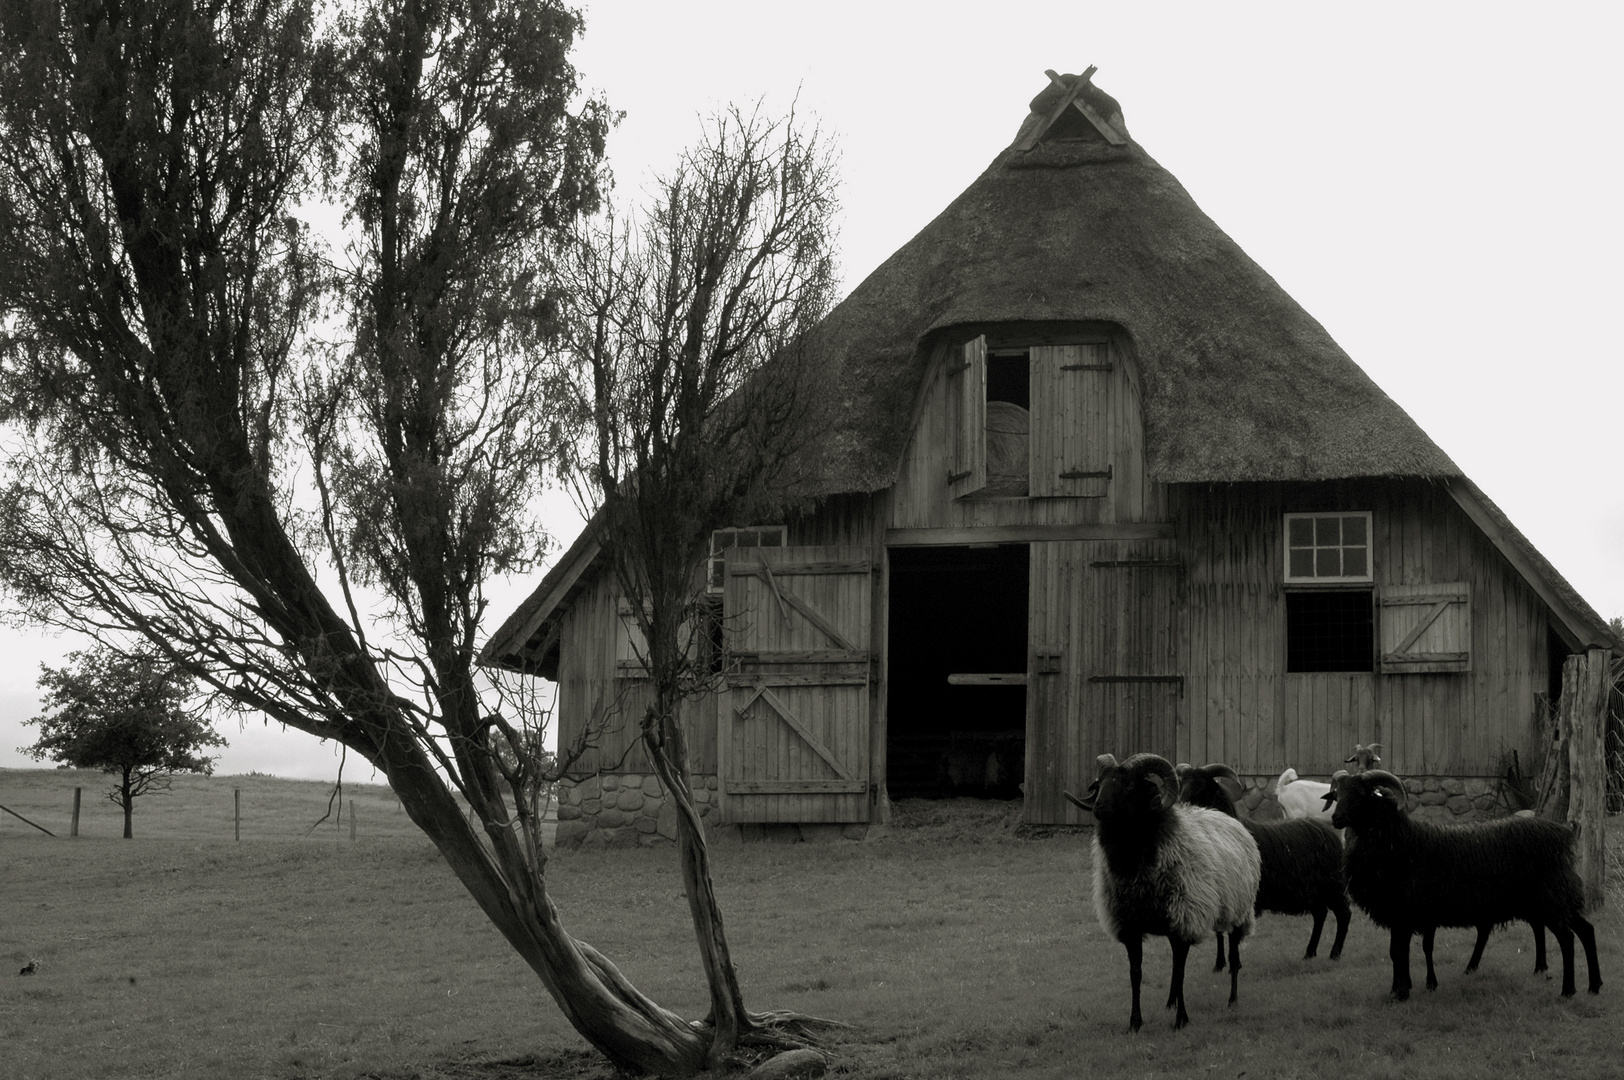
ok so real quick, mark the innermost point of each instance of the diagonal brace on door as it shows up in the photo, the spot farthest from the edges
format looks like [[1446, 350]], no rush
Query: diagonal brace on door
[[787, 599], [1421, 627], [797, 726]]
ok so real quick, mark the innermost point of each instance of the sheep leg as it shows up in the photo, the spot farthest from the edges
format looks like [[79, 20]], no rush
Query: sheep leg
[[1135, 944], [1426, 950], [1587, 937], [1398, 950], [1314, 938], [1477, 948], [1235, 936], [1218, 964], [1181, 952], [1564, 941], [1539, 948], [1342, 911]]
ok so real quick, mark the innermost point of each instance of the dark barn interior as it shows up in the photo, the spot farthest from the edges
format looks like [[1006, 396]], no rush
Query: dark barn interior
[[957, 611]]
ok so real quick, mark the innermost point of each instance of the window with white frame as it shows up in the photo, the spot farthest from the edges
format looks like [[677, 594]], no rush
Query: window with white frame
[[767, 536], [1328, 549]]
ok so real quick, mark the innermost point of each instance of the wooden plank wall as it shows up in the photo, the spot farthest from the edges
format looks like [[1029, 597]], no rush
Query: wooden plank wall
[[591, 692], [1092, 616], [1244, 709]]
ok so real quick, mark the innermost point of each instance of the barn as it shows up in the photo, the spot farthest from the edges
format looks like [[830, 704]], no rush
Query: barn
[[1097, 485]]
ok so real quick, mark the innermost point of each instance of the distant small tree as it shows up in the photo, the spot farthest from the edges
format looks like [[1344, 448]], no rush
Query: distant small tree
[[124, 714]]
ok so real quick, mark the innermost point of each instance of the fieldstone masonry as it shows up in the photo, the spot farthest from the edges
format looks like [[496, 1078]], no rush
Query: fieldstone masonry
[[630, 810], [624, 810], [1432, 798]]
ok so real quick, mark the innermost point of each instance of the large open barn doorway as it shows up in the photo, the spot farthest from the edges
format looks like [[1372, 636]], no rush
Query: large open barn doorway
[[957, 623]]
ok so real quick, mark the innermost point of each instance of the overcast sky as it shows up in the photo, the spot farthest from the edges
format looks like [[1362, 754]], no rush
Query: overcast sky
[[1437, 183]]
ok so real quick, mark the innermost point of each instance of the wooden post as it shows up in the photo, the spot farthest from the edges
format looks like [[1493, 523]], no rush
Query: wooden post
[[352, 819], [236, 813], [1585, 718], [76, 793]]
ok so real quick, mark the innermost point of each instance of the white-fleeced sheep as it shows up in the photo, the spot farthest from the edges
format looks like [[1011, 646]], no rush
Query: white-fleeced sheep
[[1302, 860], [1413, 876], [1179, 872]]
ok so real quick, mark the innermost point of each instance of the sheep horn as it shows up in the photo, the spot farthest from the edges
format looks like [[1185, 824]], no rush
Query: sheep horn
[[1336, 779]]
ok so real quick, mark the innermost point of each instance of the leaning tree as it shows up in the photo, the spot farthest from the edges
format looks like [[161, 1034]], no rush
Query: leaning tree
[[690, 336], [226, 441]]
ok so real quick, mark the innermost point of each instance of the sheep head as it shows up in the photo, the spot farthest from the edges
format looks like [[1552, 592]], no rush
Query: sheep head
[[1364, 758], [1366, 798], [1144, 785], [1213, 786]]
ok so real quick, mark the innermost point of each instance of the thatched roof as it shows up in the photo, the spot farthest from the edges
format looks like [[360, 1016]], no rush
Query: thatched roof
[[1240, 383]]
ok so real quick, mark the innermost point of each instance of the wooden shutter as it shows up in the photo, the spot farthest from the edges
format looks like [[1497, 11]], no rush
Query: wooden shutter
[[630, 645], [793, 740], [967, 417], [1426, 628], [1071, 420]]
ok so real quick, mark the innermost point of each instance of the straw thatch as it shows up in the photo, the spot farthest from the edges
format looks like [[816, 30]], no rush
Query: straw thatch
[[1240, 383]]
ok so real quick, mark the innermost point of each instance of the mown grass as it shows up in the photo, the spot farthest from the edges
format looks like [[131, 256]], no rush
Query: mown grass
[[953, 947]]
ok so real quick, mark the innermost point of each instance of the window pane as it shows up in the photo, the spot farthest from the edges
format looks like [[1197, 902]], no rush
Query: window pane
[[1353, 530], [1327, 531], [721, 540], [1328, 562], [1353, 561], [1302, 562], [748, 539], [772, 539], [1301, 532]]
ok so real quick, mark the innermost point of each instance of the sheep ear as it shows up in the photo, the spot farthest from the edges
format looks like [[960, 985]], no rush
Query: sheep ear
[[1183, 769], [1231, 786]]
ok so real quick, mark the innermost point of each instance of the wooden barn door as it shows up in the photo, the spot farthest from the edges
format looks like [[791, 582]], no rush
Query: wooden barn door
[[1105, 674], [793, 742]]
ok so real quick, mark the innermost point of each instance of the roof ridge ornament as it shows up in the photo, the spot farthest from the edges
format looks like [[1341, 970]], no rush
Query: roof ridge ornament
[[1071, 98]]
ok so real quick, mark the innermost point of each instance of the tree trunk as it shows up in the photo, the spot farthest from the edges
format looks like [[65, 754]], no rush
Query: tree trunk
[[127, 801], [635, 1033], [670, 758]]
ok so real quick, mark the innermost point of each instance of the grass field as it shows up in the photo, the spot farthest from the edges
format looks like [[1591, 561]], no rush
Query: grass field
[[954, 948]]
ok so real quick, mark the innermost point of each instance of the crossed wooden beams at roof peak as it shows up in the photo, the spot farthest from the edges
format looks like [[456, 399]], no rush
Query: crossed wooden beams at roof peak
[[1071, 98]]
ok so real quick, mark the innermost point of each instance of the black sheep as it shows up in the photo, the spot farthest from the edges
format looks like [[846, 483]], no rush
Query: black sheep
[[1413, 876], [1302, 857]]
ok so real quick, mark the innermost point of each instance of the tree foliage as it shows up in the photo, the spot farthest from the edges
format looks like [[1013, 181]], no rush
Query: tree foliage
[[130, 714], [293, 473], [691, 329]]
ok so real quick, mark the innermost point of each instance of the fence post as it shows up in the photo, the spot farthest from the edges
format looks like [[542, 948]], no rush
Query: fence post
[[352, 819], [76, 793], [236, 813], [1586, 720]]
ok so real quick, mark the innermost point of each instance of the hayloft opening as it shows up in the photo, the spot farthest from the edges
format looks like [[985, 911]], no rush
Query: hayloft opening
[[1330, 631], [956, 703]]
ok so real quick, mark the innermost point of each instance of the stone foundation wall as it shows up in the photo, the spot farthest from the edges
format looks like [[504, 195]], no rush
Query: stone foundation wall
[[624, 810], [1432, 798], [630, 810]]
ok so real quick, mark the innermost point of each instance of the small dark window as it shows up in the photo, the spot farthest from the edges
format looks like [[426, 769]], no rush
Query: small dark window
[[1009, 378], [1329, 631]]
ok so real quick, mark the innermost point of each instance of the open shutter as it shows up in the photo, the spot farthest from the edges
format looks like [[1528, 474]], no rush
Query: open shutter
[[793, 742], [967, 417], [1426, 628], [630, 646], [1071, 420]]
